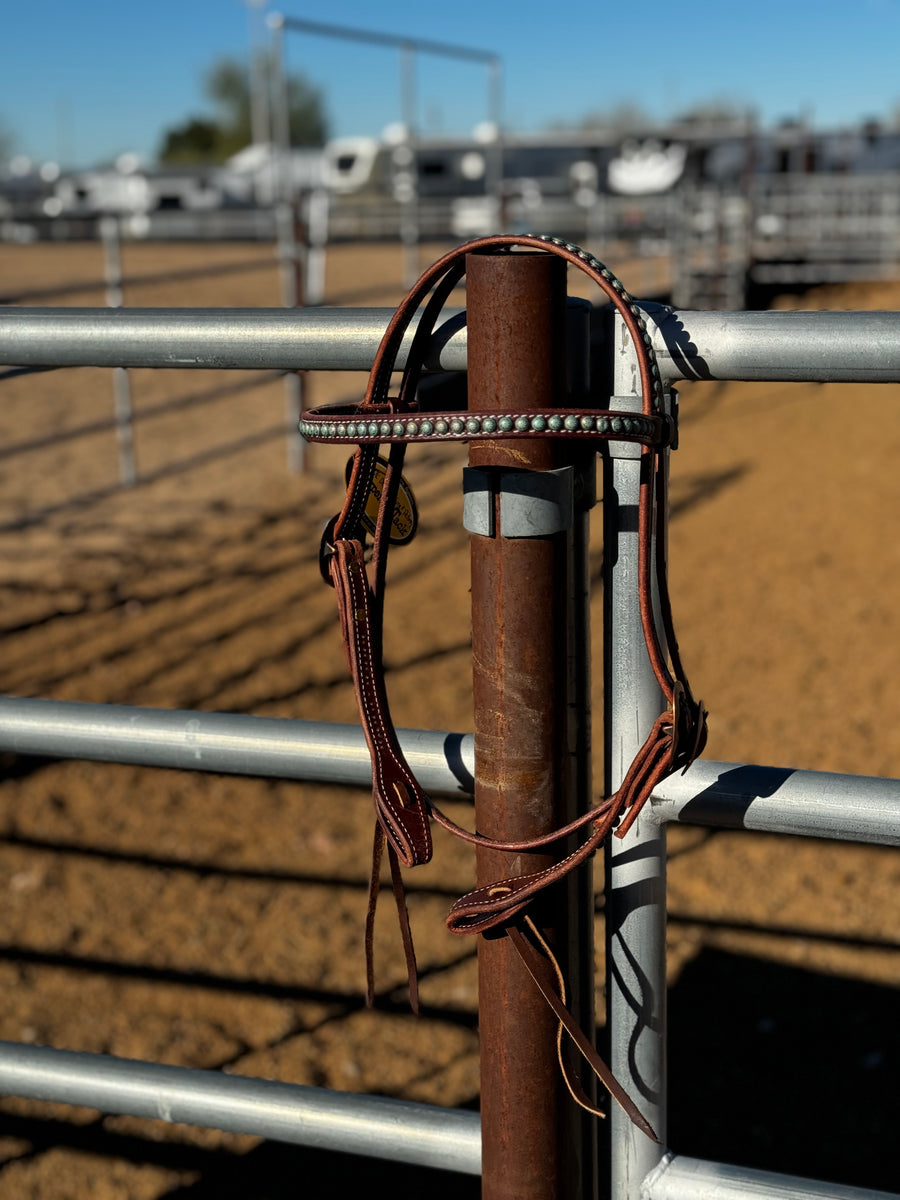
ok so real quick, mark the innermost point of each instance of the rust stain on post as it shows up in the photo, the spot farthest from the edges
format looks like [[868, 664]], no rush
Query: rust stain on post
[[516, 361]]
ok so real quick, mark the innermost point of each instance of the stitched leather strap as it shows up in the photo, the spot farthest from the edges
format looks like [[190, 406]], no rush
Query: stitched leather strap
[[544, 970], [399, 801]]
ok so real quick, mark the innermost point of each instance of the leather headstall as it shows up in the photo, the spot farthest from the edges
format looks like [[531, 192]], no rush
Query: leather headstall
[[402, 809]]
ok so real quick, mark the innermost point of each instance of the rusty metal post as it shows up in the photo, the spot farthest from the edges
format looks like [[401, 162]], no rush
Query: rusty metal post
[[529, 753]]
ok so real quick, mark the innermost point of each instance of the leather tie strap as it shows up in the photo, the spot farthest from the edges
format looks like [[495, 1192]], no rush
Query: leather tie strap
[[402, 808]]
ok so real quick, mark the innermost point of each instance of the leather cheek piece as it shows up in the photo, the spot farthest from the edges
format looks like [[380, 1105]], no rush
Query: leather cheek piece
[[400, 803]]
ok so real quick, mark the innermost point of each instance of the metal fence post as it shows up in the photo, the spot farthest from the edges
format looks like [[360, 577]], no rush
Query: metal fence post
[[535, 1143], [288, 250], [635, 865], [110, 235]]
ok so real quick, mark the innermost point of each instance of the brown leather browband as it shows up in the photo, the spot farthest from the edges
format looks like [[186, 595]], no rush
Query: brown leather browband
[[402, 808]]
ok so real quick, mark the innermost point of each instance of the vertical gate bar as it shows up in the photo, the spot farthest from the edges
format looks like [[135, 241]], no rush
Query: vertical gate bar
[[409, 200], [111, 236], [578, 963], [533, 1136], [636, 865], [286, 234]]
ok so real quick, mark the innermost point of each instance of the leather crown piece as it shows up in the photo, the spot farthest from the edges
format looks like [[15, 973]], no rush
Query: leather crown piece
[[402, 809]]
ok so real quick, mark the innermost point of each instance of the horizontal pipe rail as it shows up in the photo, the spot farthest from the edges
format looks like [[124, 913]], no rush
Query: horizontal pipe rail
[[854, 808], [400, 1130], [857, 347], [226, 743], [374, 38], [321, 339], [729, 795], [681, 1178], [372, 1126], [816, 347]]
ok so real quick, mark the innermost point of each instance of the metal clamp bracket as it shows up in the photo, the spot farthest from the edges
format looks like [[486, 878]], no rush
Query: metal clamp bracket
[[532, 503]]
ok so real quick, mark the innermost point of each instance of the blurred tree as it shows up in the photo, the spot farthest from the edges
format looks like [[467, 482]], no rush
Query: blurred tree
[[621, 120], [720, 110], [228, 85], [7, 141]]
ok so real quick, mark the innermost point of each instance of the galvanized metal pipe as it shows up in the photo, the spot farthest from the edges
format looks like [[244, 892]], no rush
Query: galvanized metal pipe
[[327, 339], [227, 743], [115, 298], [635, 908], [448, 1139], [855, 808], [824, 347], [678, 1177], [856, 347]]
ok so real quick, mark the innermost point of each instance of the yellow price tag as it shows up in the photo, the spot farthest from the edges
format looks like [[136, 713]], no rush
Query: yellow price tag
[[405, 517]]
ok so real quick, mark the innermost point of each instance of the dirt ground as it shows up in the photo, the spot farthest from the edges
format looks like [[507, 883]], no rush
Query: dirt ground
[[217, 922]]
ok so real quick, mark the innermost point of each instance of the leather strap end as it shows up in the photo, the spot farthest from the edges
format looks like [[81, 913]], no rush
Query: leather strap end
[[402, 809], [400, 803]]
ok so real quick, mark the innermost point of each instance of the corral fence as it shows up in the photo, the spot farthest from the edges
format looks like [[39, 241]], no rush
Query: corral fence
[[300, 232], [779, 232], [777, 346]]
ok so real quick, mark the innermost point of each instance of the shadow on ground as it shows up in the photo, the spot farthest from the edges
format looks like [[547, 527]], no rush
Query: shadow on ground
[[784, 1069]]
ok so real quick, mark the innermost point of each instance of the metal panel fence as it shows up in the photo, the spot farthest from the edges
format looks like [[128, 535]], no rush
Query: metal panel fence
[[864, 347]]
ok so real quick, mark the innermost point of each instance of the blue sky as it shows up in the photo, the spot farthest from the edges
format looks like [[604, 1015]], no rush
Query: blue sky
[[84, 80]]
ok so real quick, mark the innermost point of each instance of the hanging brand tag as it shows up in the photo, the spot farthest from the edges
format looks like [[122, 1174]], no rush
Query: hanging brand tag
[[405, 517]]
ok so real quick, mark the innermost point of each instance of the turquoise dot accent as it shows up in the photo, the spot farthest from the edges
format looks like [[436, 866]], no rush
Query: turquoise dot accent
[[555, 423], [473, 425], [385, 429], [412, 428], [603, 425], [505, 424], [571, 423], [522, 424], [489, 424], [351, 429], [457, 425], [616, 424], [587, 422], [397, 429], [441, 426], [426, 427], [373, 429], [538, 424]]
